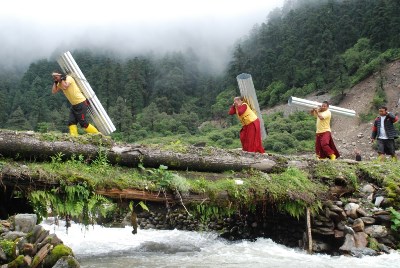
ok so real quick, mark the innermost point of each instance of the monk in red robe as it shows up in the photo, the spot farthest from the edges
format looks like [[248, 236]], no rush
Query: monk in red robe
[[250, 134], [324, 145]]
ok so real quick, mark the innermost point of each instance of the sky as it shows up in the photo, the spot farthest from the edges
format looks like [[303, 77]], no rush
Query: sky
[[43, 29]]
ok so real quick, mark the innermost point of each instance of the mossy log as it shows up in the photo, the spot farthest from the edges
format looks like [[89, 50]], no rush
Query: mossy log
[[134, 194], [41, 147]]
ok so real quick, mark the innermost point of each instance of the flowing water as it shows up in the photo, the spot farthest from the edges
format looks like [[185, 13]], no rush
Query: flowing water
[[100, 247]]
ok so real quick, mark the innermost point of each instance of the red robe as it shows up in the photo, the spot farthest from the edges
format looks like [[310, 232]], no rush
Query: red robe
[[324, 145], [250, 135]]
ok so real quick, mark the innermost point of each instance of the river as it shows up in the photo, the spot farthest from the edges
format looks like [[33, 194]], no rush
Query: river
[[101, 247]]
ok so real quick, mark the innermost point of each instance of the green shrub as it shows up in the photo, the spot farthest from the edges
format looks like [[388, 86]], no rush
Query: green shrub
[[225, 141], [281, 142], [278, 147], [302, 135], [215, 136]]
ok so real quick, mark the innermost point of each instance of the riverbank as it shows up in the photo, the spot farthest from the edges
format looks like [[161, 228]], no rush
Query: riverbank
[[338, 207], [23, 244]]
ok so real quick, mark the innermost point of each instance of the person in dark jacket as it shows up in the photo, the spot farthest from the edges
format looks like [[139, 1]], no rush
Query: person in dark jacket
[[384, 131]]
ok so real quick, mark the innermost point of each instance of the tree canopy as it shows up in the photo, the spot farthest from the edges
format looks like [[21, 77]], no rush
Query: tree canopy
[[307, 46]]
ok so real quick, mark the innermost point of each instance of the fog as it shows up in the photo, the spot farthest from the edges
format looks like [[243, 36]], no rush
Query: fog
[[42, 29]]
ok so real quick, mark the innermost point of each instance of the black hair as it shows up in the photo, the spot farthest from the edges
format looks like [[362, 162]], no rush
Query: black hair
[[59, 72]]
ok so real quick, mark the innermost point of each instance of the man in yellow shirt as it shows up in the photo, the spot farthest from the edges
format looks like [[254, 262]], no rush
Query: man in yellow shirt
[[78, 101], [324, 145]]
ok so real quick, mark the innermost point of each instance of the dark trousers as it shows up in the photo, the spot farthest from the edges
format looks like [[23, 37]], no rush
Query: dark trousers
[[77, 114]]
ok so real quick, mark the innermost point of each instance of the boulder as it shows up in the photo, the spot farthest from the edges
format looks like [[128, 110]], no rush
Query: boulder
[[376, 231], [25, 222]]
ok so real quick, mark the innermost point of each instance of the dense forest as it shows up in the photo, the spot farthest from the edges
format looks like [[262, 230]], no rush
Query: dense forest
[[307, 46]]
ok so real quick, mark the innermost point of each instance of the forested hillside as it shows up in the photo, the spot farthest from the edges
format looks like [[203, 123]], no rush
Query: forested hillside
[[307, 46]]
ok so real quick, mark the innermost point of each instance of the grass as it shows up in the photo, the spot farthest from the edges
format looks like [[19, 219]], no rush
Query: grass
[[290, 189]]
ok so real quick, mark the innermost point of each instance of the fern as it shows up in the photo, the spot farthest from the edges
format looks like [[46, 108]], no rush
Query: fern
[[70, 200]]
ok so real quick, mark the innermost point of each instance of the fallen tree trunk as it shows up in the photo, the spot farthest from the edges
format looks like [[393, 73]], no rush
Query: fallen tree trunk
[[24, 179], [41, 147]]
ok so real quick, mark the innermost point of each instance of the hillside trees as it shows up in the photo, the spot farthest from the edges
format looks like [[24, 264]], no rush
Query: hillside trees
[[304, 44], [308, 46]]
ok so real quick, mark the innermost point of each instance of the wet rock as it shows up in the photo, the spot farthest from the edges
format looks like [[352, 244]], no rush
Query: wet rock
[[320, 246], [368, 220], [348, 230], [360, 239], [339, 234], [383, 248], [332, 215], [336, 209], [25, 222], [67, 262], [340, 225], [28, 260], [362, 212], [3, 256], [13, 235], [376, 231], [339, 203], [381, 212], [39, 233], [29, 249], [378, 201], [348, 244], [367, 189], [383, 218], [360, 252], [351, 210], [358, 225]]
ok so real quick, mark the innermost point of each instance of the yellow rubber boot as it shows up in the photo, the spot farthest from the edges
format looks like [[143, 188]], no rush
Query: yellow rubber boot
[[73, 130], [332, 157], [91, 129]]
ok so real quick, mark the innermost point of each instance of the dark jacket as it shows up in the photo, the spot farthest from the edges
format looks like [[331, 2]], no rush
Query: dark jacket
[[388, 125]]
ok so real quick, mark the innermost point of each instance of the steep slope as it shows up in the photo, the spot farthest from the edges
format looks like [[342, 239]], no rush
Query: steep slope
[[351, 133]]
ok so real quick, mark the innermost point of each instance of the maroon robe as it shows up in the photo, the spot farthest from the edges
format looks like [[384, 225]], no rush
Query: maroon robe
[[250, 135]]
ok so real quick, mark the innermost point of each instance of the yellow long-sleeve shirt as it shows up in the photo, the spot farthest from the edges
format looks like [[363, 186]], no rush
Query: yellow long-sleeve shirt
[[324, 125]]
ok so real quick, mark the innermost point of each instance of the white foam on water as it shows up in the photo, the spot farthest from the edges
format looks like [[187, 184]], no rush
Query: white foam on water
[[97, 246]]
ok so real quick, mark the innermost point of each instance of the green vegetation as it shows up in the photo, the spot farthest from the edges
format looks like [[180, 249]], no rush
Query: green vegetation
[[174, 98], [386, 174], [9, 248], [336, 173], [290, 190], [17, 262], [292, 134], [172, 101], [395, 219], [75, 195], [75, 182], [295, 192], [56, 253]]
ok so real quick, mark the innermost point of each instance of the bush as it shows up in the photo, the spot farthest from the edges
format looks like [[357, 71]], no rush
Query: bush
[[215, 136], [281, 142], [225, 142], [279, 147], [280, 125], [302, 135]]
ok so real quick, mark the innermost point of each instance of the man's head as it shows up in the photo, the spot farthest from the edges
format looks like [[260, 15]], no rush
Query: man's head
[[58, 76], [238, 101], [324, 106], [382, 110]]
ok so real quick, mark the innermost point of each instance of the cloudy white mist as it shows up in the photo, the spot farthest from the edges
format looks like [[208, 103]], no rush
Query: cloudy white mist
[[31, 30]]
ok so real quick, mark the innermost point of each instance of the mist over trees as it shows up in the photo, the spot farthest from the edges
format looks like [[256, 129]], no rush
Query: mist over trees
[[306, 46]]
